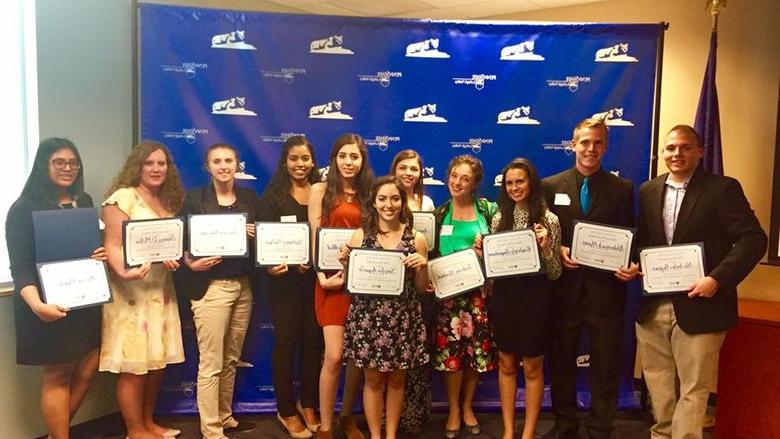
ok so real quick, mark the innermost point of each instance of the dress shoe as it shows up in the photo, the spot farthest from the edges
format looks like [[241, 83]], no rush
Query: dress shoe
[[312, 427], [294, 427], [350, 428]]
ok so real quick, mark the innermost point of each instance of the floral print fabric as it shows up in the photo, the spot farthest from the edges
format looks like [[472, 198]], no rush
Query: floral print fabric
[[463, 335]]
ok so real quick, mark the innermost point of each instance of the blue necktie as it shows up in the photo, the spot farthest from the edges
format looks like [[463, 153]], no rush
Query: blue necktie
[[585, 196]]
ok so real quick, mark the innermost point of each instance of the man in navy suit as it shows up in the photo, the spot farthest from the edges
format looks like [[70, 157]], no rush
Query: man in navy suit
[[584, 297], [679, 336]]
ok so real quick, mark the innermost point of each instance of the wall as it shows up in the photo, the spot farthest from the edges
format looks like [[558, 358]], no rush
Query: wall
[[85, 93], [747, 81]]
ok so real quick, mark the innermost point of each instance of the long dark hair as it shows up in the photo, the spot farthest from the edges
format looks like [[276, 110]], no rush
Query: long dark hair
[[370, 216], [536, 203], [410, 154], [335, 183], [280, 185], [39, 186]]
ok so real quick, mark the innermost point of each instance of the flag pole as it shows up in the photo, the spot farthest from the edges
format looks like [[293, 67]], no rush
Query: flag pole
[[715, 7]]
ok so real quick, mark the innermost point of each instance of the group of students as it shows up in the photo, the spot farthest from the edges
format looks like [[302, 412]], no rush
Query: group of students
[[393, 343]]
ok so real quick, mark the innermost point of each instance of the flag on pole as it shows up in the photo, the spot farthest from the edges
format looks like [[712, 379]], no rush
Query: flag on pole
[[708, 115]]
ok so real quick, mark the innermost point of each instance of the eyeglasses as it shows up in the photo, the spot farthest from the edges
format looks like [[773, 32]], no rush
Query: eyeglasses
[[59, 164]]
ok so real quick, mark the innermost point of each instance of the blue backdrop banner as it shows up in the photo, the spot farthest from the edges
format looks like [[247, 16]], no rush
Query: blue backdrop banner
[[497, 90]]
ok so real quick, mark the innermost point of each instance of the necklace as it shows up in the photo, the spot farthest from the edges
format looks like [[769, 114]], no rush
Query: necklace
[[349, 196]]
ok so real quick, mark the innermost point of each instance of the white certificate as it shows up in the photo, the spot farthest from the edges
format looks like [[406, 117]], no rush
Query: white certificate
[[511, 253], [153, 240], [329, 242], [455, 273], [600, 246], [375, 272], [218, 234], [671, 268], [425, 223], [76, 283], [281, 243]]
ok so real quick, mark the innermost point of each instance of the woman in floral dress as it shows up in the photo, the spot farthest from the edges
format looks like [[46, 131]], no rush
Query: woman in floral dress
[[385, 336]]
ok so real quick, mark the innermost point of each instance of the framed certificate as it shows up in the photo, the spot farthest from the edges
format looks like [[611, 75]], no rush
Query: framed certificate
[[375, 272], [281, 243], [425, 223], [601, 246], [153, 240], [218, 234], [671, 268], [511, 253], [329, 241], [455, 273], [74, 283]]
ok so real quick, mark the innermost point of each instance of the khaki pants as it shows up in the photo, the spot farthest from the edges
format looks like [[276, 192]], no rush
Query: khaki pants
[[221, 319], [680, 371]]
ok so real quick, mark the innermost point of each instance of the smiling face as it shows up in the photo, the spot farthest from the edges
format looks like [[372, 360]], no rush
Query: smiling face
[[154, 170], [408, 173], [517, 185], [682, 153], [388, 202], [349, 161], [461, 181], [222, 164], [590, 144], [63, 168], [299, 162]]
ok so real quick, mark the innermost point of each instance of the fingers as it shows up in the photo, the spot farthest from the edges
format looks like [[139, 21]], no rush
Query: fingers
[[100, 254], [171, 265], [62, 309], [566, 260], [250, 230]]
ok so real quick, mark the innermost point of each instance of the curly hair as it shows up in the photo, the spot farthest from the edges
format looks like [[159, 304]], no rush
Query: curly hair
[[476, 169], [535, 201], [171, 192], [335, 182], [370, 216], [280, 184], [410, 154]]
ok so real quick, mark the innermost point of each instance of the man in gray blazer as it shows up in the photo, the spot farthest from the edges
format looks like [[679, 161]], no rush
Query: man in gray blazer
[[679, 336]]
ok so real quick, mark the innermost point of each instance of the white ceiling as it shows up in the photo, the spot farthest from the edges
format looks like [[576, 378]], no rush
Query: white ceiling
[[434, 9]]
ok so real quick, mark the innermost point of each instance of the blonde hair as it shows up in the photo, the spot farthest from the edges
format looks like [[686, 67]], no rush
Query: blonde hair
[[592, 123]]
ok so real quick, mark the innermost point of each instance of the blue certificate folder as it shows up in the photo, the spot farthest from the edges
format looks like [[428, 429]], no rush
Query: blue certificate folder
[[62, 234]]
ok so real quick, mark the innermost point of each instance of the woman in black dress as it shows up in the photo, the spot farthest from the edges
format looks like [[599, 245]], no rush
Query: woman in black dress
[[520, 306], [64, 342], [291, 294]]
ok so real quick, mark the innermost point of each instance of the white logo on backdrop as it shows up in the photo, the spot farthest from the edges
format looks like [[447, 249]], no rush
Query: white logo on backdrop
[[521, 52], [242, 174], [426, 49], [332, 45], [429, 179], [571, 82], [281, 138], [331, 110], [478, 81], [475, 144], [616, 53], [382, 142], [424, 113], [517, 116], [189, 69], [324, 173], [287, 73], [190, 135], [233, 40], [498, 180], [564, 145], [232, 107], [383, 78], [614, 118]]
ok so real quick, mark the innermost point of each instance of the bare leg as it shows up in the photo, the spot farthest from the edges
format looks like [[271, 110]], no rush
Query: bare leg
[[55, 397], [80, 379], [130, 391], [534, 389], [152, 388], [396, 380], [507, 389], [452, 381], [470, 378], [329, 375], [352, 381], [373, 400]]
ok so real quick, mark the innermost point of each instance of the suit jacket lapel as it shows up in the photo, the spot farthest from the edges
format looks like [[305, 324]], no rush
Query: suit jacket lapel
[[692, 192], [656, 211], [574, 192]]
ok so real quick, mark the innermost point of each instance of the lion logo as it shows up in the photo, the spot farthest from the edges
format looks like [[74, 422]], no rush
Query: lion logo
[[332, 45], [428, 178], [424, 113], [521, 52], [425, 49], [616, 53], [232, 40], [613, 117], [331, 110], [233, 106], [517, 116]]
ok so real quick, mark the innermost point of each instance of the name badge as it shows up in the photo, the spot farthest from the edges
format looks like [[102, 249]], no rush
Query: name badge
[[288, 219], [446, 230], [562, 200]]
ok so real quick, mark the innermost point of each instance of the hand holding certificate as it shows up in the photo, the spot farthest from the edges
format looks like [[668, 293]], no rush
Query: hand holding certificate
[[425, 223], [671, 268], [600, 246], [281, 243], [329, 243], [218, 234], [154, 240], [73, 284], [376, 272], [511, 253], [455, 273]]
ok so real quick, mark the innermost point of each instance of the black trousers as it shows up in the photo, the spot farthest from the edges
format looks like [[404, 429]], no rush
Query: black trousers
[[605, 325], [295, 332]]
